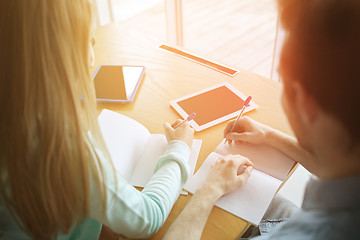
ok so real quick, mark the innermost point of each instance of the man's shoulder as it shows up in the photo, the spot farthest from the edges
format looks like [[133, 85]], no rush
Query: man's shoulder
[[337, 224]]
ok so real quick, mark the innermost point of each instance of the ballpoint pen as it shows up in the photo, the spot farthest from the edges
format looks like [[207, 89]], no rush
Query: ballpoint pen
[[189, 118], [245, 104]]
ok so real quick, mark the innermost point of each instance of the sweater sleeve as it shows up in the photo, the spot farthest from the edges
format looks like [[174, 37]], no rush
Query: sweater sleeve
[[138, 214]]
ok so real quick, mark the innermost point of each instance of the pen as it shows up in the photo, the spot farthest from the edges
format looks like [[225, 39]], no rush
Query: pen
[[245, 104], [189, 118]]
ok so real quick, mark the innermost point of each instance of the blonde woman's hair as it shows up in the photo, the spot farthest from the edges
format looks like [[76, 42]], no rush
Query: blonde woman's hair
[[47, 108]]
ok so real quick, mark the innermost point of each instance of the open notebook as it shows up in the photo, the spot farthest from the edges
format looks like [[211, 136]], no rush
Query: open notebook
[[252, 199], [133, 149]]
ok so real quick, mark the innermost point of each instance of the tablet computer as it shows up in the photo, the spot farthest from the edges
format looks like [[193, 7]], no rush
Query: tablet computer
[[212, 105], [117, 83]]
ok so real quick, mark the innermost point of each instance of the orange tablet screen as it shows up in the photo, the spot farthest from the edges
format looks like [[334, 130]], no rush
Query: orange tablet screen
[[211, 105]]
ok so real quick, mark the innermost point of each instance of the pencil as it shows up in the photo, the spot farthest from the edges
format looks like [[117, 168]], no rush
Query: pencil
[[245, 104]]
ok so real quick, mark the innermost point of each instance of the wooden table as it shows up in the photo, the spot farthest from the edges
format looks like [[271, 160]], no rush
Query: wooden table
[[168, 77]]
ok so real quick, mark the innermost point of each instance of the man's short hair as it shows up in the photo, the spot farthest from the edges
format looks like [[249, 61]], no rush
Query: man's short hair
[[322, 51]]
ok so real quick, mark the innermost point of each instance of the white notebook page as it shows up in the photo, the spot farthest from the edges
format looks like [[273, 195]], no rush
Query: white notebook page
[[124, 137]]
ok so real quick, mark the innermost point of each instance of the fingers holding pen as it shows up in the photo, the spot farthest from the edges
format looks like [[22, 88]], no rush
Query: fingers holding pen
[[177, 122], [237, 126], [183, 133], [247, 130], [233, 128]]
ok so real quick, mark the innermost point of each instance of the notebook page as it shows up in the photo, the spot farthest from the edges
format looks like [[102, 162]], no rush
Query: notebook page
[[125, 139], [265, 158], [249, 201], [155, 147], [144, 170]]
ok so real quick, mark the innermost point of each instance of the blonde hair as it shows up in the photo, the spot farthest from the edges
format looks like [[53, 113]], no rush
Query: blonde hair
[[47, 107]]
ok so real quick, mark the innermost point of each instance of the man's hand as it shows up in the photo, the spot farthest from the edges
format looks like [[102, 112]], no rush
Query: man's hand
[[228, 174], [247, 130]]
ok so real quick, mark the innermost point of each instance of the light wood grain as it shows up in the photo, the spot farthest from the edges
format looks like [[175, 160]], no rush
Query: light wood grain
[[168, 77], [237, 33]]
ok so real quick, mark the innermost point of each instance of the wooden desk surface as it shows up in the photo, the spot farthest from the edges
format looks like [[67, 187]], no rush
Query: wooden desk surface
[[168, 77]]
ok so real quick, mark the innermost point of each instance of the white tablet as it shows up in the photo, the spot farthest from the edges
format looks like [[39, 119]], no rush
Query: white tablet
[[212, 105], [117, 83]]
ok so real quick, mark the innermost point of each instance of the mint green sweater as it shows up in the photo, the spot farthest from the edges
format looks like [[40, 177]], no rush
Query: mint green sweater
[[128, 211]]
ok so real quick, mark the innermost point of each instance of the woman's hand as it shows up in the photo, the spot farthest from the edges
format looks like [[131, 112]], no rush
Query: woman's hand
[[246, 130], [227, 174], [183, 133]]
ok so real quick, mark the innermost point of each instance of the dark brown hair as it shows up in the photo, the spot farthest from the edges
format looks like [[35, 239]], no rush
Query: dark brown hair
[[322, 51]]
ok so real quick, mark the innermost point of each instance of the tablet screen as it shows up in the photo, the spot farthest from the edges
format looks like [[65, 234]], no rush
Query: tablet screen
[[212, 105], [221, 99], [117, 83]]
